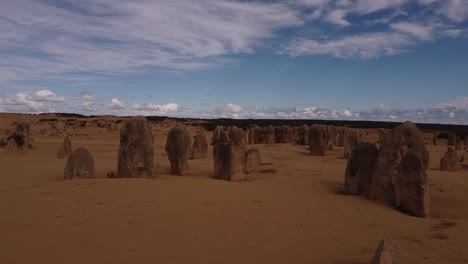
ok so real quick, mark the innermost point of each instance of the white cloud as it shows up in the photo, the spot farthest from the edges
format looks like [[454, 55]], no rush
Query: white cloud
[[92, 107], [115, 37], [155, 109], [234, 108], [337, 17], [459, 103], [456, 10], [87, 97], [420, 31], [30, 102], [363, 46], [116, 104]]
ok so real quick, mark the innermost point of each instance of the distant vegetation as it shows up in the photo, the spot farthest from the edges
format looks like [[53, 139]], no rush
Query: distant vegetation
[[210, 124]]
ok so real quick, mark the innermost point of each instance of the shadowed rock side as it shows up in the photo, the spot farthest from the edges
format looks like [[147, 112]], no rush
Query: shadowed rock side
[[135, 159], [388, 252], [283, 134], [178, 149], [395, 144], [65, 148], [229, 156], [459, 144], [218, 135], [332, 133], [411, 190], [451, 139], [252, 160], [80, 165], [351, 138], [303, 132], [262, 135], [434, 138], [410, 136], [200, 145], [450, 161], [360, 168], [317, 140]]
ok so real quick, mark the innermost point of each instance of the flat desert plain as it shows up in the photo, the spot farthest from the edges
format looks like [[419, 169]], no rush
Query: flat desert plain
[[291, 210]]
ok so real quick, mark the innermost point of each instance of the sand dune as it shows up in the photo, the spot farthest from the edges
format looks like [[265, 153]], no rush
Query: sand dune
[[292, 212]]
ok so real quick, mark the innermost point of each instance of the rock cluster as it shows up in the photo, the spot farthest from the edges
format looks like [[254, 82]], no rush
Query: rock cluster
[[399, 170]]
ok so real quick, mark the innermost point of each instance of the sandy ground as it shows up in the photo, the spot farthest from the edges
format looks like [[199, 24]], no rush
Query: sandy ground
[[296, 215]]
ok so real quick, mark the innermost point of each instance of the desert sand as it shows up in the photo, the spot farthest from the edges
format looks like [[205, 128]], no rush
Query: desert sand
[[291, 210]]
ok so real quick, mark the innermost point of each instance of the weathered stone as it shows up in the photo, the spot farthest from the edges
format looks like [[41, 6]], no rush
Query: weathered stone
[[411, 190], [80, 165], [388, 252], [11, 146], [229, 156], [252, 160], [458, 144], [360, 168], [3, 142], [303, 135], [283, 134], [395, 144], [135, 157], [21, 136], [200, 145], [351, 138], [450, 161], [412, 138], [270, 135], [178, 149], [218, 135], [23, 129], [451, 139], [65, 148], [294, 134], [317, 140], [332, 133]]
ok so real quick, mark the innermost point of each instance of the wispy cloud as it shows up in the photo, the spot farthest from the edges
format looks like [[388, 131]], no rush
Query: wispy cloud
[[115, 37]]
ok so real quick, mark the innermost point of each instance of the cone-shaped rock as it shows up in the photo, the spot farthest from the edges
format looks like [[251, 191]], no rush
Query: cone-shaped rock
[[80, 165], [135, 159]]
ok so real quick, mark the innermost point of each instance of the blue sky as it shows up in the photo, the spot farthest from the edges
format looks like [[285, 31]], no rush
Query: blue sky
[[314, 59]]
